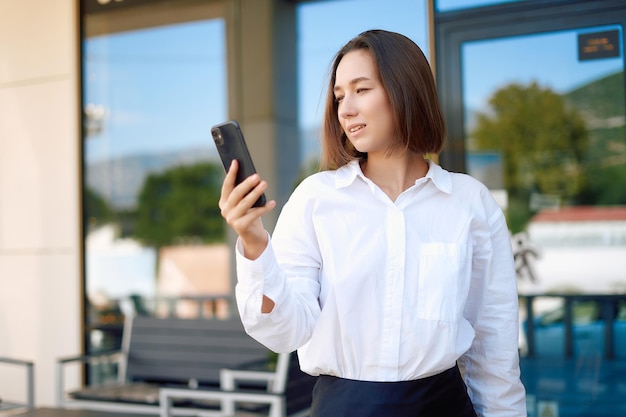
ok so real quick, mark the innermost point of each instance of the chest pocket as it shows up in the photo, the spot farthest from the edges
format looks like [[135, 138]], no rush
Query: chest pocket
[[443, 283]]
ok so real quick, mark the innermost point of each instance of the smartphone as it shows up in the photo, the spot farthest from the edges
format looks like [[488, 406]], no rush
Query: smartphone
[[231, 145]]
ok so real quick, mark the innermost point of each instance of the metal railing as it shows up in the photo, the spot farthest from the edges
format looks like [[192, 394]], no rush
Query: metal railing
[[30, 384], [608, 304], [205, 306]]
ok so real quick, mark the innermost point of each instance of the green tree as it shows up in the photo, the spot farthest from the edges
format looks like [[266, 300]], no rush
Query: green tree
[[97, 210], [542, 141], [181, 205], [602, 102]]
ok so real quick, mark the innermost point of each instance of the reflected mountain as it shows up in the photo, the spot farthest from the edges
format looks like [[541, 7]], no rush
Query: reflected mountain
[[119, 180]]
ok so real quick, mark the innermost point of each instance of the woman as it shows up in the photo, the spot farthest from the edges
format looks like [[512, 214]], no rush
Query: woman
[[391, 276]]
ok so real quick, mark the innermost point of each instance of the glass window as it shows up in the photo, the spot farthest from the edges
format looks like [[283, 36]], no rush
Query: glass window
[[152, 87], [544, 129], [536, 111], [151, 91], [323, 28]]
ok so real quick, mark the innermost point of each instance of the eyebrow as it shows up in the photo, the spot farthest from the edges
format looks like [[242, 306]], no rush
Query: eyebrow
[[352, 82]]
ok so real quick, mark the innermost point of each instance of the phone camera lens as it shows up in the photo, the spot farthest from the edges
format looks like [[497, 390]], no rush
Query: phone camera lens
[[217, 136]]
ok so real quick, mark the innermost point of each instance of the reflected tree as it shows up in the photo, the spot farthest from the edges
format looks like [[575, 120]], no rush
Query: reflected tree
[[603, 106], [542, 141], [97, 210], [180, 205]]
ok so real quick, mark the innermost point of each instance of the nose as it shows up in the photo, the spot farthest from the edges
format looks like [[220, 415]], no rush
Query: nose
[[347, 107]]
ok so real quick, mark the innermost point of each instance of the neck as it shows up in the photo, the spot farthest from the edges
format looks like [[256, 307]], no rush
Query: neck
[[394, 174]]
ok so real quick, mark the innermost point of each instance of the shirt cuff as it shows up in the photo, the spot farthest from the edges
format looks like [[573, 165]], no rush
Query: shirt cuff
[[261, 274]]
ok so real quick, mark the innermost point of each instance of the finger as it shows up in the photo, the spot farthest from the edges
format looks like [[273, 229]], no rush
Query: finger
[[247, 186], [243, 197], [231, 175], [235, 202], [229, 183], [241, 202], [241, 223], [250, 197]]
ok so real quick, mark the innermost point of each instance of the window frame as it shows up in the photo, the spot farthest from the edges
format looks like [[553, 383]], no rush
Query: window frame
[[453, 28]]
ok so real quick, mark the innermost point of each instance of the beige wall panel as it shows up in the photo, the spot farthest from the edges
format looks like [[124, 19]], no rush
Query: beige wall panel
[[256, 59], [40, 290], [39, 167], [36, 39], [39, 317]]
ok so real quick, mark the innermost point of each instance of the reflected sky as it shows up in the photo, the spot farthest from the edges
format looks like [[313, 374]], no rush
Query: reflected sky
[[159, 89], [551, 59], [162, 89], [448, 5]]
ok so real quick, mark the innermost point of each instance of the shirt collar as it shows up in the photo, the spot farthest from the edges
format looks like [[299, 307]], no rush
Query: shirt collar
[[441, 178], [346, 174]]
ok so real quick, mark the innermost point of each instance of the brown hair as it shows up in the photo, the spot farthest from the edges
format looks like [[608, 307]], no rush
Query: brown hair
[[408, 80]]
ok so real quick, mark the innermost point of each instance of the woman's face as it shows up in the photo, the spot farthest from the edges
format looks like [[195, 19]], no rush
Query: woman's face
[[363, 106]]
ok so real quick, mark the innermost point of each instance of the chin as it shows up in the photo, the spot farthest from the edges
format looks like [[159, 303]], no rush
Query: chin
[[360, 147]]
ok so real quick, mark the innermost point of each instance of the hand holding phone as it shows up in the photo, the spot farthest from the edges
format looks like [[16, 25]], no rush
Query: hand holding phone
[[231, 145]]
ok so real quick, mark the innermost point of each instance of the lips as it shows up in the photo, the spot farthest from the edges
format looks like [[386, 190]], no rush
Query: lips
[[355, 128]]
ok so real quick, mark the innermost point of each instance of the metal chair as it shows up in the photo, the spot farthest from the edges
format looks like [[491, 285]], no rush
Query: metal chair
[[30, 385]]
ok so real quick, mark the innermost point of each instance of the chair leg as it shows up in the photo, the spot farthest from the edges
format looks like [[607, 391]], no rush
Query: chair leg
[[31, 386], [166, 405]]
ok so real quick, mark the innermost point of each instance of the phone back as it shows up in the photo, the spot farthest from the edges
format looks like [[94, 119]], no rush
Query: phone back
[[231, 145]]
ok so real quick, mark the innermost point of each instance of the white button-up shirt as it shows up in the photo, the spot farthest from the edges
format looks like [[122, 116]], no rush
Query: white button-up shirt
[[377, 290]]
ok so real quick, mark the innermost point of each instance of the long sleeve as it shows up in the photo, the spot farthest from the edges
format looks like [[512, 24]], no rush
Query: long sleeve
[[491, 365], [293, 284]]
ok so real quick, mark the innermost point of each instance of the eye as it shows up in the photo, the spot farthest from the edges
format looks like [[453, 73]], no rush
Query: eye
[[338, 99], [361, 90]]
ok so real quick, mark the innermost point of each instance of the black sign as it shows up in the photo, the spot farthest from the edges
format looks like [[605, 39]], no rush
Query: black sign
[[598, 45]]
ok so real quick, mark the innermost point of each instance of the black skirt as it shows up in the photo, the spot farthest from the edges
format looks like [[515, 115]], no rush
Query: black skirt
[[441, 395]]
